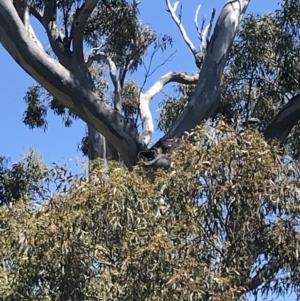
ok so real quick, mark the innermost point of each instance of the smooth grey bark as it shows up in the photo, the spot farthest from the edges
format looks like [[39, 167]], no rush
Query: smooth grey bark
[[64, 85], [208, 94], [97, 144], [284, 121]]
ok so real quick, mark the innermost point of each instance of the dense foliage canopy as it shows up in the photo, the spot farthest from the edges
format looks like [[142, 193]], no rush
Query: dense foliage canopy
[[222, 222]]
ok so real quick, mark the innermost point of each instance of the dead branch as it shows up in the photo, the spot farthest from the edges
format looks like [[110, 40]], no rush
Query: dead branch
[[172, 11], [145, 98]]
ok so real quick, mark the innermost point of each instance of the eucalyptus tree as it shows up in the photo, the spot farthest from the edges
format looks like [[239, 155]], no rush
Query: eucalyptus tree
[[221, 223], [260, 82], [231, 235], [68, 73]]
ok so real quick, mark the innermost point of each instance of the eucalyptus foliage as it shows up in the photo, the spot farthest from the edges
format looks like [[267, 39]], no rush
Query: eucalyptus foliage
[[221, 223]]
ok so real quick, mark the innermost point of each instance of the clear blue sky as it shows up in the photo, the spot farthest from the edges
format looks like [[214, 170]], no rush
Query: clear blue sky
[[59, 143]]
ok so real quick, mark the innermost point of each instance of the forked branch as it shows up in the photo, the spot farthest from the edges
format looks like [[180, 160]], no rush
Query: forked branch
[[207, 93], [177, 20], [145, 98], [56, 38], [63, 85], [204, 34], [101, 56], [24, 10]]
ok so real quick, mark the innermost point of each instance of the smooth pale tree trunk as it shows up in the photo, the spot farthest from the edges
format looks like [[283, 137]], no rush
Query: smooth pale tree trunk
[[97, 144]]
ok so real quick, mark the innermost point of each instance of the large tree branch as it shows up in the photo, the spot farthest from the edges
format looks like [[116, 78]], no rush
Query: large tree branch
[[61, 83], [113, 76], [265, 274], [175, 77], [207, 94], [145, 98], [78, 26], [24, 9], [56, 38], [284, 121]]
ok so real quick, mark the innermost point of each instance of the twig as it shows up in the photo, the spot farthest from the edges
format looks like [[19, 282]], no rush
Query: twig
[[172, 11], [196, 19]]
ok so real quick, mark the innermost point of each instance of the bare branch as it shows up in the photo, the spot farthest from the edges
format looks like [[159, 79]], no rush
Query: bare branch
[[145, 98], [78, 25], [175, 77], [172, 11], [196, 19], [207, 94], [161, 64], [284, 121], [203, 34], [148, 70]]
